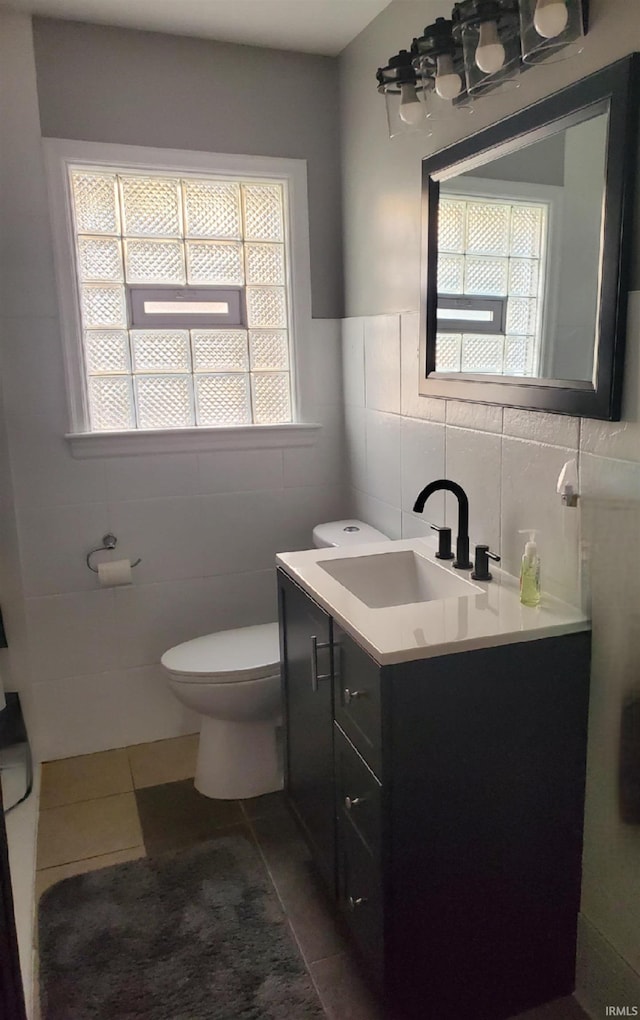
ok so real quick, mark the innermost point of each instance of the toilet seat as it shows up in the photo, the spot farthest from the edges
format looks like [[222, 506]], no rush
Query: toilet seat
[[246, 653]]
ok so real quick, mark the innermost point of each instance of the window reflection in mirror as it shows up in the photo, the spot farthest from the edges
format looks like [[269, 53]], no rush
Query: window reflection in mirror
[[519, 249]]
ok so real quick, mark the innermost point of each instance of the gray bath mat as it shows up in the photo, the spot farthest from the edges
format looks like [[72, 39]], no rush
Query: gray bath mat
[[198, 935]]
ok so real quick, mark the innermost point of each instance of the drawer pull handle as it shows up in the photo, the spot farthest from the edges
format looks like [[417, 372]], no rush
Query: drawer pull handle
[[350, 696], [314, 662], [351, 802], [353, 904]]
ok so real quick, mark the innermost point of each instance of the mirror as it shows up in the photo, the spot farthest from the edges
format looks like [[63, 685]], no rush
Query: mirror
[[526, 254]]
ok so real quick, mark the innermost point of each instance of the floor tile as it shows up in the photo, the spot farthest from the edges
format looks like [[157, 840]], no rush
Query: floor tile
[[49, 877], [174, 816], [559, 1009], [85, 778], [266, 806], [311, 914], [75, 832], [343, 992], [164, 761]]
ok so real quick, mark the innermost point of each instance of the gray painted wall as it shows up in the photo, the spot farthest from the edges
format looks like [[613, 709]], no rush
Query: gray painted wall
[[142, 88]]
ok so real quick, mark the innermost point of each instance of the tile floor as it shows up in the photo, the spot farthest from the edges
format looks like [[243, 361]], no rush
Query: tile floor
[[116, 806]]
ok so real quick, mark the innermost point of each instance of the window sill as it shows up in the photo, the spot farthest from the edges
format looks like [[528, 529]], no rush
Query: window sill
[[240, 437]]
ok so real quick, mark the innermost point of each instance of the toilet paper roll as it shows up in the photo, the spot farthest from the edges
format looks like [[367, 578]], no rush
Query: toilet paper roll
[[114, 572]]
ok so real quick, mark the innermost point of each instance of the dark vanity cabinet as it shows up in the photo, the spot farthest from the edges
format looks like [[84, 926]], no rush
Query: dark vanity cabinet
[[443, 803]]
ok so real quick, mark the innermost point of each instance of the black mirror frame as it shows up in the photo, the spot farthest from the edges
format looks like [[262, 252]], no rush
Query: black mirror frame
[[619, 85]]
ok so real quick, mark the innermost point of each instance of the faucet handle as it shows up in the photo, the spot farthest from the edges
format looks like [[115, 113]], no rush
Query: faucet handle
[[481, 563], [444, 542]]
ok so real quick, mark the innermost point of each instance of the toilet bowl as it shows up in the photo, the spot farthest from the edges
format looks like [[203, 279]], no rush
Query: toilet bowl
[[232, 679]]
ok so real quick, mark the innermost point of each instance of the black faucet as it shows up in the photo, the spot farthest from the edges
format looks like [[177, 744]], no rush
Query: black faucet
[[462, 561]]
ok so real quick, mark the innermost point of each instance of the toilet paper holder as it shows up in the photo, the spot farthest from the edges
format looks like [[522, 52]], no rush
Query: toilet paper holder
[[109, 542]]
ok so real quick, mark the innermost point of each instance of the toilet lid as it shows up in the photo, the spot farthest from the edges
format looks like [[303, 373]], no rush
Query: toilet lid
[[247, 653]]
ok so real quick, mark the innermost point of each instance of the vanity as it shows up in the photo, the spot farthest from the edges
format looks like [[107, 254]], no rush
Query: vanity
[[435, 744]]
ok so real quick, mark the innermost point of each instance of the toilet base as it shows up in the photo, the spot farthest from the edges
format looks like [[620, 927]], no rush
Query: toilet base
[[237, 760]]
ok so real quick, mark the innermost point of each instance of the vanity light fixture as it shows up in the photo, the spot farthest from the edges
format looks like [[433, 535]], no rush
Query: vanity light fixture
[[485, 44]]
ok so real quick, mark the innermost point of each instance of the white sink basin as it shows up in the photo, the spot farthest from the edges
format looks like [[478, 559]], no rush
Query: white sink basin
[[397, 579]]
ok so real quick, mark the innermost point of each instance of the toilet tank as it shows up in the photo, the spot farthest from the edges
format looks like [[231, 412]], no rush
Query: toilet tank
[[349, 532]]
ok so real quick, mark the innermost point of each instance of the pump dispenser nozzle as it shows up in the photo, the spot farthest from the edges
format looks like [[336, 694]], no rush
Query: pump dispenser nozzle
[[530, 570], [531, 548]]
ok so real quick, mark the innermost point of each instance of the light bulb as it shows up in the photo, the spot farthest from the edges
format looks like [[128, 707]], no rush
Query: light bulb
[[448, 83], [551, 18], [490, 53], [410, 109]]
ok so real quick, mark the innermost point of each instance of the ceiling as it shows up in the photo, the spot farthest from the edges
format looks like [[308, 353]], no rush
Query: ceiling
[[312, 26]]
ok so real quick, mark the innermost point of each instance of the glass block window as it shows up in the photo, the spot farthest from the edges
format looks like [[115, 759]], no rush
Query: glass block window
[[136, 229], [490, 248]]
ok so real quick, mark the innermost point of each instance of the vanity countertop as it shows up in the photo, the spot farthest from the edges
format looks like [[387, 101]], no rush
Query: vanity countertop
[[489, 617]]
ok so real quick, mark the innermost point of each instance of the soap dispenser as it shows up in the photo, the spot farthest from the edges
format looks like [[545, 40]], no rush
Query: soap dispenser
[[530, 571]]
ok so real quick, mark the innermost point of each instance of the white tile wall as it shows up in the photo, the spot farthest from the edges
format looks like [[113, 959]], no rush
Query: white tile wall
[[411, 403], [554, 429], [529, 500], [474, 460], [68, 634], [83, 714], [382, 432], [474, 416], [422, 460], [239, 470], [146, 477], [382, 362], [54, 541], [508, 460], [383, 516], [150, 618], [355, 446], [324, 463], [167, 534], [45, 474], [353, 361]]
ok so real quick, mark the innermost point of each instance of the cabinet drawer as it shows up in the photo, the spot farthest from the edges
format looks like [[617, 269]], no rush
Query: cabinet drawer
[[358, 792], [357, 698], [360, 891]]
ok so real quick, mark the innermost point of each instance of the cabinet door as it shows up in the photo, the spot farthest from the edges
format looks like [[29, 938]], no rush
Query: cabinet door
[[357, 698], [305, 635]]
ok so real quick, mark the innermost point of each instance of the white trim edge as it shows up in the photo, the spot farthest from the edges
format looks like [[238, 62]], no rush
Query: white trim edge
[[241, 437]]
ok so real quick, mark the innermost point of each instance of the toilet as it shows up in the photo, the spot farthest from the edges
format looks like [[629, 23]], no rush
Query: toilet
[[232, 679]]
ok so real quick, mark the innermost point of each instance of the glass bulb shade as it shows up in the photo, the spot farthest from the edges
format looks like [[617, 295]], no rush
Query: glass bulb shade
[[410, 109], [551, 18], [490, 53], [551, 30], [398, 111], [447, 82]]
